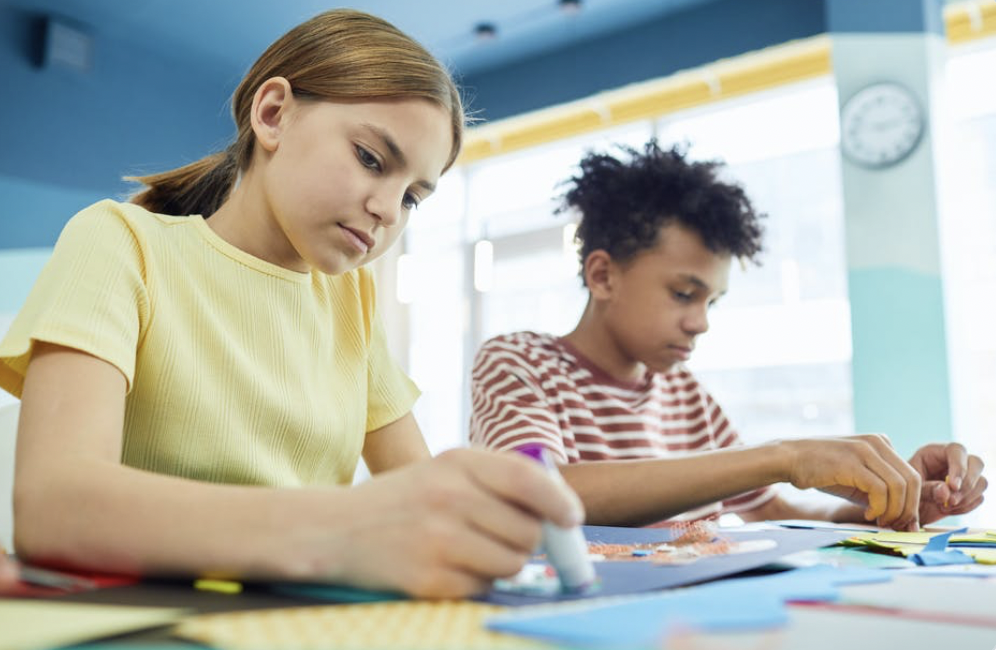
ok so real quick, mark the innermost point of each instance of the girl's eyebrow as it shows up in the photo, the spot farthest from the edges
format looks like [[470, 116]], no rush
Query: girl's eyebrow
[[392, 146]]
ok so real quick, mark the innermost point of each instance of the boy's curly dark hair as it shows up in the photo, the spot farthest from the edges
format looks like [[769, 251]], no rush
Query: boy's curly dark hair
[[623, 204]]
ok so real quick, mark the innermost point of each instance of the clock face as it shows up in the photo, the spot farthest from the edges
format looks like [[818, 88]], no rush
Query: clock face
[[880, 125]]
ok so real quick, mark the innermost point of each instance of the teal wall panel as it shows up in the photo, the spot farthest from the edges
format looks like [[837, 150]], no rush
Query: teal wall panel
[[900, 363]]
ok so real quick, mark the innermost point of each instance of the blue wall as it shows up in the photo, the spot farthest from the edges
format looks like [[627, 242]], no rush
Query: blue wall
[[68, 137], [683, 40]]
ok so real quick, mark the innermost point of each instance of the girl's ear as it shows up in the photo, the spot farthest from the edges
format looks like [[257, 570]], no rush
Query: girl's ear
[[598, 274], [270, 108]]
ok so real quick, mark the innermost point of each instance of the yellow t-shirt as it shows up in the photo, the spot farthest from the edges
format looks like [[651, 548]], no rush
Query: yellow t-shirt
[[238, 370]]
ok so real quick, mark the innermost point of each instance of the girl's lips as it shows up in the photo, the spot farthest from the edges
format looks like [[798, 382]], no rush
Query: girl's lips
[[362, 241]]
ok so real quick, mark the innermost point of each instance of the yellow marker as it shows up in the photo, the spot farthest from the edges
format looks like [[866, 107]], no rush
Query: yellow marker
[[220, 586]]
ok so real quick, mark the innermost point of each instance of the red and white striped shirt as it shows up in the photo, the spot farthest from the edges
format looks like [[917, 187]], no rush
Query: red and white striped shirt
[[537, 388]]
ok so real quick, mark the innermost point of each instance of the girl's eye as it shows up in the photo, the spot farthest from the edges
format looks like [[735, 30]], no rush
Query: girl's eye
[[410, 201], [367, 159], [681, 297]]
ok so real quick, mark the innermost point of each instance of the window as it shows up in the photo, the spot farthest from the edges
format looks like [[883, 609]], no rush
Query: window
[[778, 355], [968, 239]]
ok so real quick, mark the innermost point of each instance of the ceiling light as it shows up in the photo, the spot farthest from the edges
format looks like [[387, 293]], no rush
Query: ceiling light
[[485, 31], [569, 7]]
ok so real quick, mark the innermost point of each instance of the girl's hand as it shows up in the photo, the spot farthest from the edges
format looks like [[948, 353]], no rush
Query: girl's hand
[[447, 527]]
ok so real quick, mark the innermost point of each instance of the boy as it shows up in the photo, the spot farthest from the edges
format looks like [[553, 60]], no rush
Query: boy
[[640, 439]]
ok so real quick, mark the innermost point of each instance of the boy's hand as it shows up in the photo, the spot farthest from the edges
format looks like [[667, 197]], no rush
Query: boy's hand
[[863, 469], [952, 480]]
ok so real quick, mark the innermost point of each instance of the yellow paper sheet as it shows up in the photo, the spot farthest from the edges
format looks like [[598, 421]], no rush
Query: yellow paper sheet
[[907, 544], [408, 625], [35, 624], [891, 539]]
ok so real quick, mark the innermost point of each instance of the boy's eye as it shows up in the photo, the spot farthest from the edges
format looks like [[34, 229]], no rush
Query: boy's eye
[[367, 159], [681, 296]]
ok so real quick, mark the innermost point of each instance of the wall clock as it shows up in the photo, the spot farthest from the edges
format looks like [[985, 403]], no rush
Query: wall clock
[[880, 125]]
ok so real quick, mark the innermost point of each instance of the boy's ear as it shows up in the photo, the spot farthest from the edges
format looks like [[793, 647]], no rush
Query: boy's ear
[[270, 107], [598, 272]]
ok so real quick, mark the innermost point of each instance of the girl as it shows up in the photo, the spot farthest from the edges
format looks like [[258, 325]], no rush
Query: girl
[[197, 390]]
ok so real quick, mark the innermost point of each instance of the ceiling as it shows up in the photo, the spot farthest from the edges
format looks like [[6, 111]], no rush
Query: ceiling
[[227, 35]]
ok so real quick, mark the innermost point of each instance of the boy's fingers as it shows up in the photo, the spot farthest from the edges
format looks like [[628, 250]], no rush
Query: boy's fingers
[[898, 506], [957, 457]]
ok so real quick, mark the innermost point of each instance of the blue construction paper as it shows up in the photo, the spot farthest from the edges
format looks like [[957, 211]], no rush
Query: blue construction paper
[[617, 577], [940, 542], [936, 552], [739, 604], [819, 525], [939, 558], [636, 576]]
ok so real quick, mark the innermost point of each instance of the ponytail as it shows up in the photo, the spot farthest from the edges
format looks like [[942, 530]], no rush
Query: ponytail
[[198, 188]]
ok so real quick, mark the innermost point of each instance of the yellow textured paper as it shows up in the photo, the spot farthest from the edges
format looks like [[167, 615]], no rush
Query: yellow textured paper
[[414, 625], [907, 544], [31, 624]]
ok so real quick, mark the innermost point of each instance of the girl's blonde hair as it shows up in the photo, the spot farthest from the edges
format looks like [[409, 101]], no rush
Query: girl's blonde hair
[[341, 54]]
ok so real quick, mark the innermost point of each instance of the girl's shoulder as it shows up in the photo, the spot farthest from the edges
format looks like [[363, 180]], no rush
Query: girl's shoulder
[[110, 215]]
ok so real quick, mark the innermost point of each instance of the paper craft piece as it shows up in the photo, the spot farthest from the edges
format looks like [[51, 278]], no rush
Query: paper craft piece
[[38, 582], [624, 578], [408, 625], [535, 579], [690, 542], [824, 525], [976, 570], [936, 552], [29, 624], [969, 602], [857, 557], [979, 545], [741, 604]]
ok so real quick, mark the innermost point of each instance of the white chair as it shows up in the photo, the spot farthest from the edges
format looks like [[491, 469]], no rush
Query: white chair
[[8, 438]]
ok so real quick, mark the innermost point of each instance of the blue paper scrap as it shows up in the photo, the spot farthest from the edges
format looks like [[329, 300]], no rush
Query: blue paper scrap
[[937, 553], [738, 604]]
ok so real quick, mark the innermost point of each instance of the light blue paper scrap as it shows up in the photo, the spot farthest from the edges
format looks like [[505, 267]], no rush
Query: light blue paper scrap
[[937, 553], [740, 604]]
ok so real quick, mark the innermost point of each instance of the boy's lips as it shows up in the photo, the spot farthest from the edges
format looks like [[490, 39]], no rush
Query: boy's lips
[[685, 352]]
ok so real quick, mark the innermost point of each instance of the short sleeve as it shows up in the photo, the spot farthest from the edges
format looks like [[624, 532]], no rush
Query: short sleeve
[[509, 406], [390, 392], [90, 296]]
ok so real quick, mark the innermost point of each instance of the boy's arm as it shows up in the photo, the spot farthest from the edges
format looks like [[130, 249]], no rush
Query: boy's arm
[[952, 484], [636, 492]]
